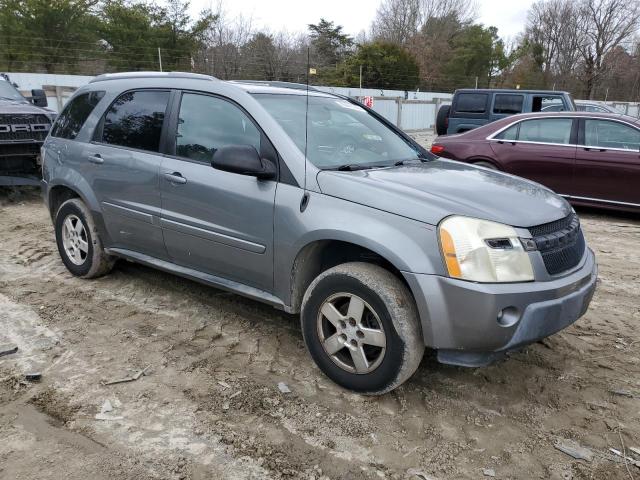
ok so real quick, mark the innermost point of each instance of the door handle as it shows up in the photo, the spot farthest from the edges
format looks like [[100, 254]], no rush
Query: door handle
[[589, 149], [97, 159], [175, 177]]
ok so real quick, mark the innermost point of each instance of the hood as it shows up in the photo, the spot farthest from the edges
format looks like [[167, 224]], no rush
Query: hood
[[431, 191], [10, 107]]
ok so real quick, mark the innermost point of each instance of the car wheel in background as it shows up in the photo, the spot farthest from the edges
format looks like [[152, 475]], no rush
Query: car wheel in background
[[488, 165], [442, 120], [360, 324], [78, 241]]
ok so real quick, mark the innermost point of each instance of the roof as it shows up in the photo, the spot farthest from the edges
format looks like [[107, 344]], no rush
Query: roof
[[578, 114], [282, 88], [531, 115], [163, 75], [507, 90]]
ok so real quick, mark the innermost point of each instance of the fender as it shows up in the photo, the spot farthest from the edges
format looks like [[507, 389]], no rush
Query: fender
[[409, 245], [75, 182]]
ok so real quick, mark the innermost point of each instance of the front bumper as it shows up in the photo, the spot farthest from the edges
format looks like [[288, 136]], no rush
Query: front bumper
[[461, 319], [19, 180]]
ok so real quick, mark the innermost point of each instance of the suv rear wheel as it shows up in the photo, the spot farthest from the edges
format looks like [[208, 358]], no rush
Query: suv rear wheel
[[442, 120], [78, 241], [360, 324]]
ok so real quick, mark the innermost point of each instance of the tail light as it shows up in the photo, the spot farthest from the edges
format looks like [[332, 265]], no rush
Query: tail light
[[437, 149]]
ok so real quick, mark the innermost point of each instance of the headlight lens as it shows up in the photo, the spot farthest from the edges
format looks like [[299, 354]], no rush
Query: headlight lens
[[483, 251]]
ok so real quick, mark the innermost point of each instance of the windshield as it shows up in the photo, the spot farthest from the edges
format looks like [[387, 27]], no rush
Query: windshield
[[339, 132], [8, 91]]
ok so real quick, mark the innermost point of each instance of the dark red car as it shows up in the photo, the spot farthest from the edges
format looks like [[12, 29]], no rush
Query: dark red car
[[589, 158]]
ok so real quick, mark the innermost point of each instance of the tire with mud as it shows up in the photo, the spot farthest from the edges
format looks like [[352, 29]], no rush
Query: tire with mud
[[360, 325], [78, 241]]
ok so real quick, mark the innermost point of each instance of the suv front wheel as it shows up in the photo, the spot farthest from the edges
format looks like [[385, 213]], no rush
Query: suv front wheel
[[78, 241], [360, 325]]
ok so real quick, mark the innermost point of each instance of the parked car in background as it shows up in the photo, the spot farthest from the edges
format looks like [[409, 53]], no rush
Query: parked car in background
[[589, 158], [594, 107], [382, 248], [472, 108], [24, 124], [584, 106]]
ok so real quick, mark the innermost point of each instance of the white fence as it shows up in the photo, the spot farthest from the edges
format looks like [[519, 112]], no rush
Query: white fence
[[412, 110], [410, 115]]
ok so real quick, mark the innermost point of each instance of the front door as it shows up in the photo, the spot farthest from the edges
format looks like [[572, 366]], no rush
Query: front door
[[608, 162], [541, 150], [122, 165], [213, 221]]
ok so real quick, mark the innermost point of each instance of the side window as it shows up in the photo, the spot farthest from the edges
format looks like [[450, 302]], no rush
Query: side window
[[547, 130], [508, 104], [135, 119], [207, 123], [547, 104], [471, 103], [75, 113], [607, 134], [510, 133]]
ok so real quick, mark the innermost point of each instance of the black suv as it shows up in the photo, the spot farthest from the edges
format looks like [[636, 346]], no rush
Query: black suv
[[24, 125], [472, 108]]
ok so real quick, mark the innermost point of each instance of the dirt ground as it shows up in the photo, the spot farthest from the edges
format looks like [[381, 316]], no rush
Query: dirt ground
[[209, 406]]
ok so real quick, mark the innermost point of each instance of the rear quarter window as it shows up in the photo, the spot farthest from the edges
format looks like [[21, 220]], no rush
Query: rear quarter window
[[75, 113], [471, 103], [508, 104]]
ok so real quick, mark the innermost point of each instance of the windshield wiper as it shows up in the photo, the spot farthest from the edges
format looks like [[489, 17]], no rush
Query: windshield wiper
[[350, 167], [410, 160]]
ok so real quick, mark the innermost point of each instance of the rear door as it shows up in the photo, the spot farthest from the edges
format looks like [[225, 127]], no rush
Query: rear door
[[608, 161], [122, 166], [213, 221], [540, 149]]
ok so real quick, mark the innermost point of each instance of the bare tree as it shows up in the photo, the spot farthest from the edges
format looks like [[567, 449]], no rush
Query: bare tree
[[398, 21], [465, 11], [557, 27], [224, 39], [608, 25]]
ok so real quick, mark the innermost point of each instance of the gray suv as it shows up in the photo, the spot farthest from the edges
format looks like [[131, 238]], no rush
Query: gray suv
[[316, 205]]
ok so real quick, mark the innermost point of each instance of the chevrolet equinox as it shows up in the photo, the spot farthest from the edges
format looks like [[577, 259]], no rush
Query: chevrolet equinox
[[312, 203]]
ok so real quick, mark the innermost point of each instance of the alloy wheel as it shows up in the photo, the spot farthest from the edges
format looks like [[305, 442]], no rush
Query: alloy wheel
[[351, 333]]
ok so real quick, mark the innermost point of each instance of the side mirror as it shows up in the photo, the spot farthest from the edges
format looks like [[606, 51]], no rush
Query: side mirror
[[39, 98], [244, 160]]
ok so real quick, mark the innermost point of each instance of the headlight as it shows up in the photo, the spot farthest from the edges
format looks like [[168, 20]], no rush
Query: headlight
[[483, 251]]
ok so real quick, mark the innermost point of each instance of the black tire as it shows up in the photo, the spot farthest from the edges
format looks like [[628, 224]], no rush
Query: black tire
[[484, 164], [441, 119], [93, 263], [393, 304]]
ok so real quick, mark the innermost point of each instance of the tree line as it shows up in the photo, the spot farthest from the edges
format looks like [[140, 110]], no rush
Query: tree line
[[588, 47]]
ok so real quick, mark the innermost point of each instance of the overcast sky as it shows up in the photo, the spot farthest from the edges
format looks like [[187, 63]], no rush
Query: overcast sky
[[355, 15]]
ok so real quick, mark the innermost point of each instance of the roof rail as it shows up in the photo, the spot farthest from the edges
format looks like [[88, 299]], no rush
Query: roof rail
[[127, 75], [269, 83]]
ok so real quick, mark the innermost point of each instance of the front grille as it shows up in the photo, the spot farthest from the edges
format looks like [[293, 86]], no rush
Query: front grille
[[561, 243], [34, 124]]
